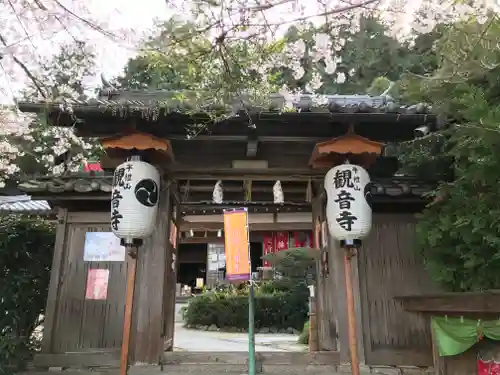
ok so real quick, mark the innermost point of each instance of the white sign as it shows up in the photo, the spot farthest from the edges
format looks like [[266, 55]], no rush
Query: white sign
[[348, 209], [102, 247]]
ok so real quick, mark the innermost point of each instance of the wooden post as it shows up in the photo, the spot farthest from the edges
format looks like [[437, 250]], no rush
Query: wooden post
[[170, 277], [147, 339], [129, 305], [56, 280], [313, 324], [351, 317]]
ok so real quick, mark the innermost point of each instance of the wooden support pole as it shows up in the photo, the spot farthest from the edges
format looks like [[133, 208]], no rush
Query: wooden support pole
[[129, 304], [313, 325], [351, 317]]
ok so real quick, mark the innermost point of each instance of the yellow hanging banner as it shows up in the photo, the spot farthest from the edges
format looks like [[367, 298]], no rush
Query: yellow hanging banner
[[237, 245]]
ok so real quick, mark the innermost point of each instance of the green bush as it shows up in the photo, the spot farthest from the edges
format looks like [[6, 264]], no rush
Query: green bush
[[304, 335], [285, 308], [26, 246], [298, 263]]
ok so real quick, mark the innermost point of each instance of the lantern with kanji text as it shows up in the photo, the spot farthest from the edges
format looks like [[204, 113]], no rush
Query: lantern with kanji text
[[134, 200], [348, 208]]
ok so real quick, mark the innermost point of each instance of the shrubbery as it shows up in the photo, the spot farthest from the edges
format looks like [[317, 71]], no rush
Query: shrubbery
[[304, 335], [26, 246], [279, 305]]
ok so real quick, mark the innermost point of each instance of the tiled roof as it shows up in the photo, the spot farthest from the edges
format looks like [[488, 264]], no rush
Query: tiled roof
[[124, 102], [74, 183], [85, 183], [23, 204]]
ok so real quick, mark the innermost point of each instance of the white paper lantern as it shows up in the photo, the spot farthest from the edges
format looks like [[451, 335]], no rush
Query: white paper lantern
[[348, 210], [134, 200]]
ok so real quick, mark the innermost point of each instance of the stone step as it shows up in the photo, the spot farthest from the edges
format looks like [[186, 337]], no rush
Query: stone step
[[203, 369], [233, 369], [263, 358], [208, 363], [111, 359], [219, 369]]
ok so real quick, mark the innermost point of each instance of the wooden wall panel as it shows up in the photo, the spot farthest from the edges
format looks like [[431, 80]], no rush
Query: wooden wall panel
[[87, 324], [327, 317], [389, 267], [326, 290]]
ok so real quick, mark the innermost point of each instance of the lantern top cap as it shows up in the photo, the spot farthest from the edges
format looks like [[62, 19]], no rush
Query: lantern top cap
[[346, 147], [138, 141]]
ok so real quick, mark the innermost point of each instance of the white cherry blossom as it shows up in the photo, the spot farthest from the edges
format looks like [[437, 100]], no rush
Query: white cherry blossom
[[34, 29], [340, 78]]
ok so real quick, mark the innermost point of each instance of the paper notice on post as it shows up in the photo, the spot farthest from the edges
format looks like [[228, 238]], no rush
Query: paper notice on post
[[97, 284]]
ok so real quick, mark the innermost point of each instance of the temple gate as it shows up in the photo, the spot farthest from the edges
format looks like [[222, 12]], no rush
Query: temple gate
[[294, 148]]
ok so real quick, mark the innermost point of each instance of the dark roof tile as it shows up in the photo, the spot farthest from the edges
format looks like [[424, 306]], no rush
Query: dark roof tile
[[83, 183], [125, 102], [75, 183]]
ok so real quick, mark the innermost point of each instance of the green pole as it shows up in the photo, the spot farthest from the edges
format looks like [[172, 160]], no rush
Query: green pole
[[251, 329], [251, 311]]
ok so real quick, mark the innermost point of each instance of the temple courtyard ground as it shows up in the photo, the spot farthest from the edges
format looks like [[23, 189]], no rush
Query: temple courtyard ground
[[212, 341]]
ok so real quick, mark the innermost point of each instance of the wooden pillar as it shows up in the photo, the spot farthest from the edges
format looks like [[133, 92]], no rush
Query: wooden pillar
[[55, 281], [337, 268], [147, 333], [325, 292], [170, 281], [320, 290], [313, 325]]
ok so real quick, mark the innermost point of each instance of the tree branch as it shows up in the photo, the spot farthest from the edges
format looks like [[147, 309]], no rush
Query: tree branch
[[30, 75]]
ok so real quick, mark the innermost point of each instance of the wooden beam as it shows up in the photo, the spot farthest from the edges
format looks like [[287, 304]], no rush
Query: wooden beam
[[243, 138], [270, 174], [186, 226], [220, 210], [239, 189], [175, 192], [260, 206], [252, 148], [88, 358], [469, 302], [71, 196], [110, 358], [183, 240]]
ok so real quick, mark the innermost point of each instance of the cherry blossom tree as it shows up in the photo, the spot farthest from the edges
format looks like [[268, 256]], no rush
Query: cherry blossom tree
[[247, 44], [254, 23], [44, 44], [28, 145], [257, 22]]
